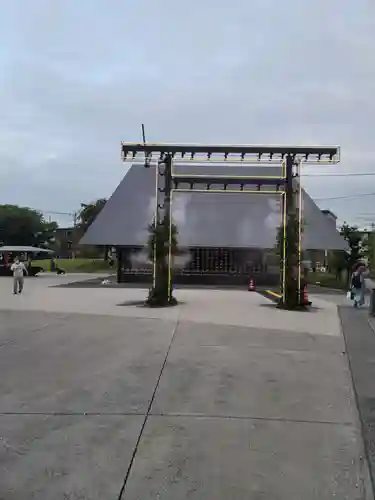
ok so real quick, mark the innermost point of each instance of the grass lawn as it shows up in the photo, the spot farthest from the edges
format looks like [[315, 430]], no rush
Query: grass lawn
[[77, 265], [326, 280]]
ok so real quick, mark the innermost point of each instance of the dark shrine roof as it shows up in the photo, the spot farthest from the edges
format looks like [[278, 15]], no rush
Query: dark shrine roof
[[206, 219]]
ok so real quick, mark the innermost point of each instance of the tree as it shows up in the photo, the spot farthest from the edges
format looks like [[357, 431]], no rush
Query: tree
[[354, 237], [337, 262], [87, 215], [23, 226], [89, 212], [370, 249], [345, 260]]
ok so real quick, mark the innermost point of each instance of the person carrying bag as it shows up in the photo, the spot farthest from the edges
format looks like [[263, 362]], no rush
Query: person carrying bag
[[357, 290]]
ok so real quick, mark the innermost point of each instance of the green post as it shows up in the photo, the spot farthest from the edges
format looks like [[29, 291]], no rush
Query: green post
[[167, 226], [289, 298], [160, 294]]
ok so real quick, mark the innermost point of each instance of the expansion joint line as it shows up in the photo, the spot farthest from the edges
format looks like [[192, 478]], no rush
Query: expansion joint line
[[123, 487]]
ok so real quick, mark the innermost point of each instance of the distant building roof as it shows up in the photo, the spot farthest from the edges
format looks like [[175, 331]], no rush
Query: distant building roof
[[206, 219]]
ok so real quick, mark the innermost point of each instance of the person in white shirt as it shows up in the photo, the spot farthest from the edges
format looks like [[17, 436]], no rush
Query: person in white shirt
[[19, 269]]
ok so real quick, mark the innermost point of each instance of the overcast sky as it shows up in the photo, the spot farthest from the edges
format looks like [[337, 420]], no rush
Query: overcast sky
[[79, 76]]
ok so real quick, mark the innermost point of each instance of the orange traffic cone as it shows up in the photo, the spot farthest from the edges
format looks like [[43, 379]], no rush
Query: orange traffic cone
[[251, 285], [305, 296]]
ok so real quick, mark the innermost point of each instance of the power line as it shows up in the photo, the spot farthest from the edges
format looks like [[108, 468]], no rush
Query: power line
[[341, 174], [56, 213], [344, 197]]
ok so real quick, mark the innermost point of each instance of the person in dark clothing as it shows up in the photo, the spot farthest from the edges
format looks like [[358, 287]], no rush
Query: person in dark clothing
[[358, 286]]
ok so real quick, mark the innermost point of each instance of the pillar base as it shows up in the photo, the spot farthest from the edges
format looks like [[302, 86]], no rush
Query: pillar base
[[302, 306], [157, 298]]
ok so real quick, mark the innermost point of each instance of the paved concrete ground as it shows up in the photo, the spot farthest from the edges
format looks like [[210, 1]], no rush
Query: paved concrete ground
[[359, 332], [221, 397]]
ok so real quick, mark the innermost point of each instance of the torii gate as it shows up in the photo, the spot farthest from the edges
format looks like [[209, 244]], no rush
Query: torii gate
[[289, 158]]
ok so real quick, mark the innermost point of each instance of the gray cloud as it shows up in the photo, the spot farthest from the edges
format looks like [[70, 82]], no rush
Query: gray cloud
[[79, 77]]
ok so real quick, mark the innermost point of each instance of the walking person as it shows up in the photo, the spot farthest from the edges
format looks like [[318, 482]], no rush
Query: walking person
[[358, 286], [19, 269]]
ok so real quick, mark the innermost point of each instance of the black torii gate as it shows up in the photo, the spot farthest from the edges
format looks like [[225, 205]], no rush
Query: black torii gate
[[167, 182]]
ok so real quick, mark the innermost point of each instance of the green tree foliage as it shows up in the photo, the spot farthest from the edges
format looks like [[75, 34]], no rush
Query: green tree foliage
[[341, 260], [158, 241], [157, 247], [291, 247], [89, 212], [371, 251], [86, 216], [292, 232], [337, 262], [23, 226]]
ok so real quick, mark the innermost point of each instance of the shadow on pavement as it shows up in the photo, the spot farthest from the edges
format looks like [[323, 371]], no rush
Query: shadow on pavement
[[310, 309], [140, 303]]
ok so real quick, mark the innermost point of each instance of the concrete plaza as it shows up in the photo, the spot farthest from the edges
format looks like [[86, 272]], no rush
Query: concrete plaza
[[222, 397]]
